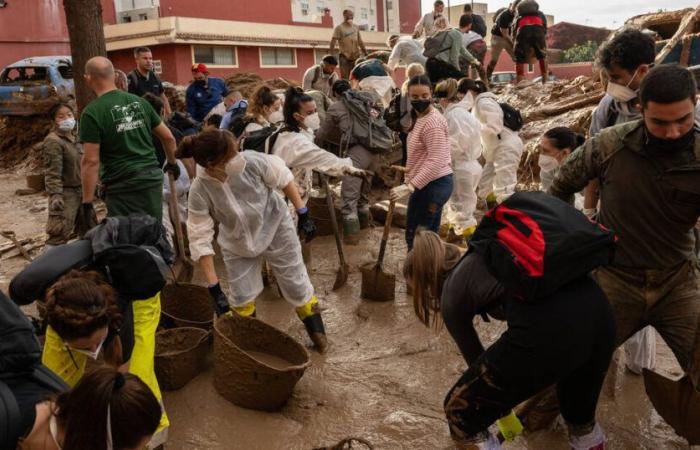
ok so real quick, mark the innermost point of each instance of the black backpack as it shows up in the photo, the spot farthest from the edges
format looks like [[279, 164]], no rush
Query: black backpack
[[535, 243], [528, 8], [392, 115], [239, 120], [433, 45], [20, 361], [261, 141], [512, 119]]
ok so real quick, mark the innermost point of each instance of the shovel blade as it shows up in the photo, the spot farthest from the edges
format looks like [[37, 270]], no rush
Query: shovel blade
[[341, 277], [377, 285], [677, 402]]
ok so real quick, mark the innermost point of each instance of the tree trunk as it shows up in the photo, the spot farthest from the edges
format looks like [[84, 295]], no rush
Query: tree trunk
[[87, 39]]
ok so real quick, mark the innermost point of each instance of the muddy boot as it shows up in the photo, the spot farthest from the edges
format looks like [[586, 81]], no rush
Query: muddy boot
[[365, 217], [489, 70], [351, 230], [491, 201]]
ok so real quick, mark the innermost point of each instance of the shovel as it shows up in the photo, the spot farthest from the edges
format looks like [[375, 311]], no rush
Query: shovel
[[13, 237], [677, 402], [342, 276], [378, 285], [183, 267]]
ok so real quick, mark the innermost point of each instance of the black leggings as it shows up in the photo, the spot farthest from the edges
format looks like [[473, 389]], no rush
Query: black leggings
[[566, 339]]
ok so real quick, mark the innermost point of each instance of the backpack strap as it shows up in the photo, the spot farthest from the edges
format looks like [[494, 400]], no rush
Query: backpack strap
[[132, 78], [317, 75], [10, 426]]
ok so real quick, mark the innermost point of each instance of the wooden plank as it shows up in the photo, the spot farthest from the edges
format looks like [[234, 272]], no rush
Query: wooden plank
[[687, 25]]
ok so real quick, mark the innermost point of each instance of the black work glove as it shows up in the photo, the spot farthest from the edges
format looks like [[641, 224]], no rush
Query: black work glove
[[220, 300], [306, 227], [85, 220], [172, 168]]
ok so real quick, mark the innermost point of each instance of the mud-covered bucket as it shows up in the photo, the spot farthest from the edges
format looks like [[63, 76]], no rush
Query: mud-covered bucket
[[186, 305], [256, 365], [181, 355]]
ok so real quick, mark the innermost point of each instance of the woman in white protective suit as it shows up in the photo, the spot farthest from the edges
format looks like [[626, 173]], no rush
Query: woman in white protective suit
[[502, 146], [465, 148], [239, 191], [295, 143]]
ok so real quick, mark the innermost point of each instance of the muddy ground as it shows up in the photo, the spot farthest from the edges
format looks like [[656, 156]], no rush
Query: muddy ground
[[383, 378]]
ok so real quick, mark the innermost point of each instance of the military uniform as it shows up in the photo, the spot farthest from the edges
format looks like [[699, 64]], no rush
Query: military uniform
[[651, 200], [62, 178]]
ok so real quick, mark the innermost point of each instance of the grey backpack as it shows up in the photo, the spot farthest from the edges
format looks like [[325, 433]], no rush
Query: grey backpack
[[368, 126]]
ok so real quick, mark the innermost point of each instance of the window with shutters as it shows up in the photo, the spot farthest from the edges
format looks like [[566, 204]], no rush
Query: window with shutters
[[278, 57], [215, 55]]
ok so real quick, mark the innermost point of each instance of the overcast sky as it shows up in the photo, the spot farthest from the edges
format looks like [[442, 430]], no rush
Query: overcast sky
[[601, 13]]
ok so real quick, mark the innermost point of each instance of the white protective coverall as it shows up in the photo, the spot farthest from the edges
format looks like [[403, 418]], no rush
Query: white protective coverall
[[182, 186], [502, 149], [465, 147], [298, 151], [254, 224]]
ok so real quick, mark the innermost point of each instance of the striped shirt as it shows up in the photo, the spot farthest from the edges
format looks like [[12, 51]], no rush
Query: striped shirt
[[428, 150]]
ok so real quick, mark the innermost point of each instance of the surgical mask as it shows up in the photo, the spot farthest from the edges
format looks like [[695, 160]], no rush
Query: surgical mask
[[276, 116], [421, 106], [622, 94], [66, 125], [88, 353], [235, 166], [240, 104], [313, 122], [670, 146], [548, 163]]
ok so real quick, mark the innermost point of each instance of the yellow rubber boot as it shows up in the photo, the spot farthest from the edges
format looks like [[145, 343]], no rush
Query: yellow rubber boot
[[308, 313], [510, 426], [468, 232], [247, 310]]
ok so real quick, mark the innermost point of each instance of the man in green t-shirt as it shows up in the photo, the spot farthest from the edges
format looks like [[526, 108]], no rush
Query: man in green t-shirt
[[116, 132]]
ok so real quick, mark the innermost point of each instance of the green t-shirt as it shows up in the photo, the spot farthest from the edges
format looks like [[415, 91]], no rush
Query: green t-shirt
[[121, 123]]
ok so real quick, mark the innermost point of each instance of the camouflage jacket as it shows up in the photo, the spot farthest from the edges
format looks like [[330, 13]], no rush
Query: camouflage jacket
[[651, 200], [61, 163]]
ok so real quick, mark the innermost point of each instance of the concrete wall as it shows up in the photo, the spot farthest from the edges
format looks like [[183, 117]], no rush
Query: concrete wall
[[409, 14], [264, 11]]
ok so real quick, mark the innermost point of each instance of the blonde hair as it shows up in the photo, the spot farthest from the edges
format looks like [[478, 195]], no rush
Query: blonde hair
[[449, 87], [425, 270], [412, 70]]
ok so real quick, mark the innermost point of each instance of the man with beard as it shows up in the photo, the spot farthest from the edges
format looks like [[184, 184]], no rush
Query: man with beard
[[649, 176]]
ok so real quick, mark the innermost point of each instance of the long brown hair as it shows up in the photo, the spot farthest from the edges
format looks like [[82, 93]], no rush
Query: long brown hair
[[209, 148], [447, 89], [82, 413], [262, 97], [80, 303], [425, 269]]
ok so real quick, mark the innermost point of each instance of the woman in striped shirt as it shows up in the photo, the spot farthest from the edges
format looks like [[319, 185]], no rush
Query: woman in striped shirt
[[428, 169]]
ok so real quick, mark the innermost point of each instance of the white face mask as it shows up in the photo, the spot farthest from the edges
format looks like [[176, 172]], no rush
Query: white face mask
[[66, 125], [313, 122], [622, 94], [276, 116], [548, 163], [235, 166], [89, 353]]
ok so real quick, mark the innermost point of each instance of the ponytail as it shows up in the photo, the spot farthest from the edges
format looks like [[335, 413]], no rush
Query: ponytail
[[467, 84], [447, 89], [110, 404], [294, 97], [425, 270], [418, 80]]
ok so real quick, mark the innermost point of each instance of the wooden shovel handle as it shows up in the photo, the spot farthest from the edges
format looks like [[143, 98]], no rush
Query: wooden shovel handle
[[385, 236]]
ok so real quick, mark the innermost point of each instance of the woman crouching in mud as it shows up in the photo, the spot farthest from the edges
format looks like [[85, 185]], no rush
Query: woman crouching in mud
[[565, 339], [239, 191]]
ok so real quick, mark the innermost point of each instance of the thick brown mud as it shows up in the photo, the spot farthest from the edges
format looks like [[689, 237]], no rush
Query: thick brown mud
[[181, 354], [186, 305]]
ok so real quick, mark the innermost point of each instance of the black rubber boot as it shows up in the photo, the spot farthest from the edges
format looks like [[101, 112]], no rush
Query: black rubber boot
[[317, 332]]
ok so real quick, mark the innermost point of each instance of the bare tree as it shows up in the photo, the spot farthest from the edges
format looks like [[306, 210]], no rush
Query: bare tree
[[87, 39]]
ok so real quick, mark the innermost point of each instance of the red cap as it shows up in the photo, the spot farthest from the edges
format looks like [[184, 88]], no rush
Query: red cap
[[199, 68]]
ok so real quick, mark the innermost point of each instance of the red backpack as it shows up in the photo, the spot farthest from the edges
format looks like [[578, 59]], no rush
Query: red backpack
[[535, 243]]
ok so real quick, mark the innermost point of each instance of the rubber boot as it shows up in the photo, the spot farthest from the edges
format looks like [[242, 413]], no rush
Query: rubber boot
[[247, 310], [491, 201], [544, 70], [313, 322], [489, 70], [351, 230], [468, 233], [365, 217]]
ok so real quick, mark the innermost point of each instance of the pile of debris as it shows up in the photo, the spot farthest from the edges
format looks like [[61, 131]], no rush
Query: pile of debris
[[247, 83], [20, 141], [560, 103]]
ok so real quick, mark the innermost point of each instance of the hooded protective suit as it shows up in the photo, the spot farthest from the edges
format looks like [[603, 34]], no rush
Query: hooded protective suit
[[254, 224], [465, 147], [502, 149]]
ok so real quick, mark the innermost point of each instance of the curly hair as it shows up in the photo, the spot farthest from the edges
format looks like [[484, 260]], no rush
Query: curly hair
[[80, 303], [628, 49]]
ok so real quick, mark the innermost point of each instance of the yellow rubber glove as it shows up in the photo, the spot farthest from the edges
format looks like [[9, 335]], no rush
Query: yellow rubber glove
[[510, 426]]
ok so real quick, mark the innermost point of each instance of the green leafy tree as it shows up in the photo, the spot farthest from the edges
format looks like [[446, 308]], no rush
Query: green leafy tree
[[580, 53]]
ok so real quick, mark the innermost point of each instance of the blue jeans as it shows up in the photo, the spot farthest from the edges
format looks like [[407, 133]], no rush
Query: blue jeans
[[425, 207]]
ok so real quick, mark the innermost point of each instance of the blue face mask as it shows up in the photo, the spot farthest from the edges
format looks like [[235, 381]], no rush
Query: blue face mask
[[240, 104]]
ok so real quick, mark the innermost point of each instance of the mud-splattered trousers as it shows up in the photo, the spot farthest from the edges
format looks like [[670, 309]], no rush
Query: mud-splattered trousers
[[62, 178], [566, 339], [425, 207]]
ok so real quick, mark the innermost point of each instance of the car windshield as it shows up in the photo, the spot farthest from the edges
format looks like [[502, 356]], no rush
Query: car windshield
[[503, 77], [22, 75]]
